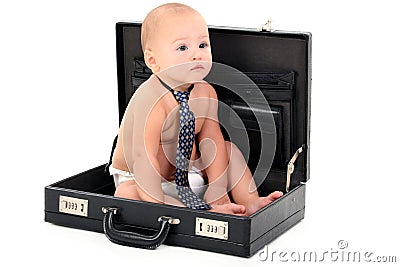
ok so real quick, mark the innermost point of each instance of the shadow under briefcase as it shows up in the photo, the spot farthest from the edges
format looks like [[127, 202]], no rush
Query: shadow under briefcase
[[279, 64]]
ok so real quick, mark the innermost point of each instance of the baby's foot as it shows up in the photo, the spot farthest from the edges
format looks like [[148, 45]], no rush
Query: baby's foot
[[230, 208], [262, 202]]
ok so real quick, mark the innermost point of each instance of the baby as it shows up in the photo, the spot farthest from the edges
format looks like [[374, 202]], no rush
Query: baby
[[176, 48]]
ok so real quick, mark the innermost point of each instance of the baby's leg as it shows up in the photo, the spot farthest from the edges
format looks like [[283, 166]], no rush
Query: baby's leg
[[127, 189], [216, 192], [241, 182]]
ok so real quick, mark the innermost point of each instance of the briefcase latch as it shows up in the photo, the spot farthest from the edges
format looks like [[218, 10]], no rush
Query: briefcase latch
[[170, 219], [267, 27], [290, 167]]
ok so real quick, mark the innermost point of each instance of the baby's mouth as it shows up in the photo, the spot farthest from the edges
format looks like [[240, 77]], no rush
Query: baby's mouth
[[198, 67]]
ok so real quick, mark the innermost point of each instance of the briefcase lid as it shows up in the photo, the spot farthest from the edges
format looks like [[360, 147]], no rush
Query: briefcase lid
[[276, 53]]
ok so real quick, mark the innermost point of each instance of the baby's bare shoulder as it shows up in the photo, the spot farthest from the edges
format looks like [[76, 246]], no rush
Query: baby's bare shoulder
[[204, 102], [204, 89], [150, 96]]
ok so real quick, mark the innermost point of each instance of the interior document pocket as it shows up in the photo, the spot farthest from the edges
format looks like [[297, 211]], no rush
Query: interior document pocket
[[255, 129], [278, 88]]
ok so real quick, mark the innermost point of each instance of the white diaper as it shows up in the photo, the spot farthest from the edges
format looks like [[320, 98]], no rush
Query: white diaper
[[196, 181]]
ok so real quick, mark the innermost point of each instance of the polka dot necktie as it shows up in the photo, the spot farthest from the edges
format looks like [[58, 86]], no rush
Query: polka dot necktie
[[184, 151]]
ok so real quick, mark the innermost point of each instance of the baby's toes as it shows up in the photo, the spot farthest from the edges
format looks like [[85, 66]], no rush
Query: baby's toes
[[275, 195], [237, 209]]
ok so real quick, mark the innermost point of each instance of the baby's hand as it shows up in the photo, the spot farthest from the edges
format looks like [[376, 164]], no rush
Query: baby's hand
[[230, 208]]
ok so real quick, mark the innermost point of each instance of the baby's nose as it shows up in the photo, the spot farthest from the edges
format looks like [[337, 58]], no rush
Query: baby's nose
[[196, 56]]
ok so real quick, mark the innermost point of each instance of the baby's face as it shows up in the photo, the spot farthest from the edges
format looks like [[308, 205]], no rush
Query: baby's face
[[182, 47]]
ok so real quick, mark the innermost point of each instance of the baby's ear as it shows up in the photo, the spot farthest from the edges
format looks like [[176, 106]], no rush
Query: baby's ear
[[150, 60]]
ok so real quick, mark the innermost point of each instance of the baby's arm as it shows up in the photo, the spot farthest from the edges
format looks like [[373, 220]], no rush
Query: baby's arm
[[146, 166], [141, 145]]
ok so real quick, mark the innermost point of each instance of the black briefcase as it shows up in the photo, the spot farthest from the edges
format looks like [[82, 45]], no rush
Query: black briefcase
[[279, 64]]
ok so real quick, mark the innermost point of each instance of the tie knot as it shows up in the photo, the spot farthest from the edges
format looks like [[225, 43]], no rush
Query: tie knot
[[181, 96]]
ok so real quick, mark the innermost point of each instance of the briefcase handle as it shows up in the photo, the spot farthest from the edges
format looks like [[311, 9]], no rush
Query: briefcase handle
[[133, 239]]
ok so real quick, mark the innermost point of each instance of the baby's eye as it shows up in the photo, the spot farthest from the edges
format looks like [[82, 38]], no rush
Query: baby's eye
[[203, 45], [182, 48]]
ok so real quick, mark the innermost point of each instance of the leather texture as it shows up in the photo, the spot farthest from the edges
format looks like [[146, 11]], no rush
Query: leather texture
[[132, 239]]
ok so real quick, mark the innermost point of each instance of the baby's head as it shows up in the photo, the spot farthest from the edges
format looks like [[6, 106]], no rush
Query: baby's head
[[174, 34]]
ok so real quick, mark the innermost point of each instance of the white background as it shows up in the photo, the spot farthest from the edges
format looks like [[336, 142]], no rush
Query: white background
[[59, 114]]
